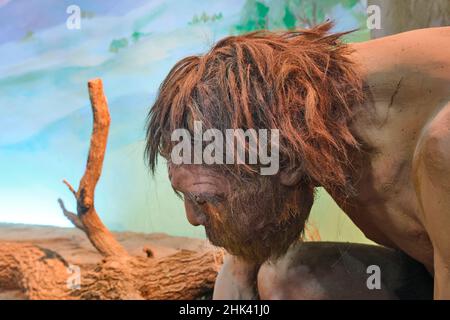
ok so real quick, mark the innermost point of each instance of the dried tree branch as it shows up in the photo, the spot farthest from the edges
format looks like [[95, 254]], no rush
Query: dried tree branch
[[74, 192], [71, 216], [183, 275], [87, 218]]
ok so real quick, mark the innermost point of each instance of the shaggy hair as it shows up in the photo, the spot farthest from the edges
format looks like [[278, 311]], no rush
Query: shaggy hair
[[300, 82]]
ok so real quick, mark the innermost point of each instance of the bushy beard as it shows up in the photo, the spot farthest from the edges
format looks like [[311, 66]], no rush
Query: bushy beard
[[260, 220]]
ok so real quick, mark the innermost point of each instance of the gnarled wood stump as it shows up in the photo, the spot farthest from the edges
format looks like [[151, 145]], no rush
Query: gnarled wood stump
[[37, 272]]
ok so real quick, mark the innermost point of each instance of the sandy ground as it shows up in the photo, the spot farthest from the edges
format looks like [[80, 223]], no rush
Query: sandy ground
[[74, 246]]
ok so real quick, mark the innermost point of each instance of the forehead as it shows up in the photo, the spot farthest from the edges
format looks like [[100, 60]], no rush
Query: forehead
[[198, 178]]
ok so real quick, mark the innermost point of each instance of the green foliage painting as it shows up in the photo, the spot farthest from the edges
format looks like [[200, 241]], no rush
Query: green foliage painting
[[204, 18], [254, 16], [45, 113], [287, 14], [118, 44]]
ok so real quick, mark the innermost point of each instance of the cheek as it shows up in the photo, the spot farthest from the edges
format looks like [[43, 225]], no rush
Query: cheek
[[214, 213]]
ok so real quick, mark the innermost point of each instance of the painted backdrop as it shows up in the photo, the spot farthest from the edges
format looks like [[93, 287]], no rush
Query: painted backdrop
[[45, 117]]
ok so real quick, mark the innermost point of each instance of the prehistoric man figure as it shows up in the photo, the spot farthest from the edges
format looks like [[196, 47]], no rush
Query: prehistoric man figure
[[369, 122]]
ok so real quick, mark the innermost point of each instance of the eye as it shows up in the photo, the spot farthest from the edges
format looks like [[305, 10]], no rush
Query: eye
[[199, 200], [204, 198]]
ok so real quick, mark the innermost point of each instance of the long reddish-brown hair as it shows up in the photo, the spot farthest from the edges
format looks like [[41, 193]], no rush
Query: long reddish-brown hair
[[300, 82]]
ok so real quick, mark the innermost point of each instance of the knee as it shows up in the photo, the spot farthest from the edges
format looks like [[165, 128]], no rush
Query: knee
[[434, 151], [286, 280], [270, 282]]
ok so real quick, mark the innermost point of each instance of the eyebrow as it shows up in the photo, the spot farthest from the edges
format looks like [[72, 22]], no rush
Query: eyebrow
[[207, 196]]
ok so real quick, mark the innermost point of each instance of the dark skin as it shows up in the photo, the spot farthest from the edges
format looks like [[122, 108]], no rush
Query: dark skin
[[243, 218], [250, 218], [306, 270], [333, 270], [402, 187], [327, 270]]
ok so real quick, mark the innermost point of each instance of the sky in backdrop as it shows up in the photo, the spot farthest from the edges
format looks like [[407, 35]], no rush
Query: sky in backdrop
[[45, 116]]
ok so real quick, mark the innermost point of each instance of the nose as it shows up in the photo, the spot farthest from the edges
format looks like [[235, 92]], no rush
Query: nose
[[183, 180], [193, 214]]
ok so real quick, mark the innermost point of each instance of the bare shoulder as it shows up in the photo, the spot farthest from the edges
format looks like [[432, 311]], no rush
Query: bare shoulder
[[424, 33], [422, 53], [433, 41], [414, 37], [413, 47]]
